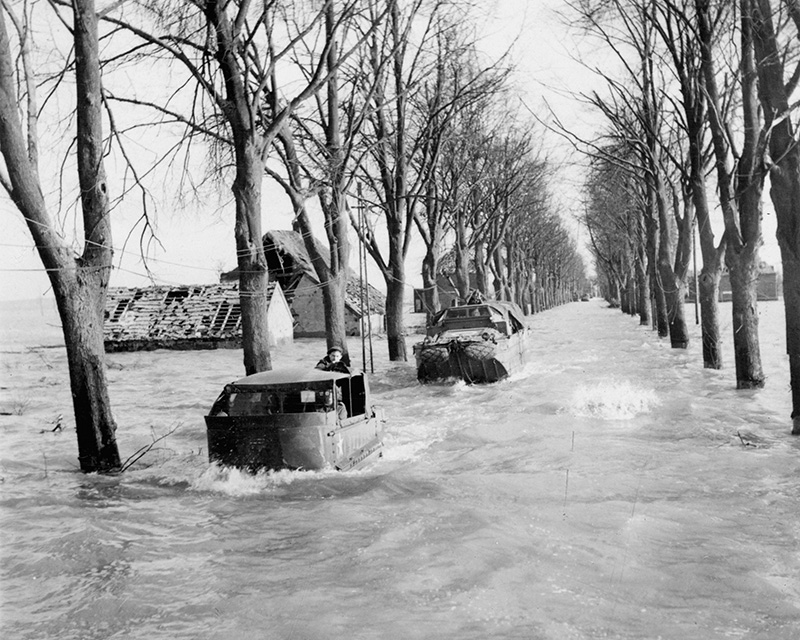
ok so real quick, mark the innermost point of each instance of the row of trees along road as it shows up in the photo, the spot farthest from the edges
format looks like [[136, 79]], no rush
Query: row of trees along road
[[699, 89], [314, 95]]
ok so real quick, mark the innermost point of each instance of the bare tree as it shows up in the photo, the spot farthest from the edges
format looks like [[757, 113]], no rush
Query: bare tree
[[558, 267], [666, 207], [317, 150], [458, 84], [485, 166], [739, 192], [638, 113], [468, 173], [675, 23], [233, 53], [533, 224], [614, 217], [79, 283], [515, 167], [784, 169], [390, 152]]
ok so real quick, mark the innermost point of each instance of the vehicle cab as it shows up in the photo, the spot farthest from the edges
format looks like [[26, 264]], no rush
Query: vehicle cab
[[295, 418], [500, 316]]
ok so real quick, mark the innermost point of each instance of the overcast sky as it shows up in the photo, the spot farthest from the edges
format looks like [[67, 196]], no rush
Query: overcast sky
[[196, 241]]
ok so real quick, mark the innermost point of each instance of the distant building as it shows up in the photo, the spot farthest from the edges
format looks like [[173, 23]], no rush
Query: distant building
[[767, 288], [186, 317], [290, 265]]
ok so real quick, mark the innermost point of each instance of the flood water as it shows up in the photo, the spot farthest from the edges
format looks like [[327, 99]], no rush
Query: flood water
[[613, 489]]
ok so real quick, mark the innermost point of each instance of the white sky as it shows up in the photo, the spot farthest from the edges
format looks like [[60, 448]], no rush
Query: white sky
[[197, 239]]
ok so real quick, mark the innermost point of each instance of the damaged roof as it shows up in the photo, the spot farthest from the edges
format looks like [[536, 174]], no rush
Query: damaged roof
[[173, 317], [282, 243]]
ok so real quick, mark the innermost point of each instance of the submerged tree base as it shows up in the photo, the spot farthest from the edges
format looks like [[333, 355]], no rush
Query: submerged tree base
[[750, 384], [106, 461]]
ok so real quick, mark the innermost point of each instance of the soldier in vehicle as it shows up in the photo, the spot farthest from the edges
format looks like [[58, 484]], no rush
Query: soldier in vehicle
[[331, 398], [333, 361], [272, 404]]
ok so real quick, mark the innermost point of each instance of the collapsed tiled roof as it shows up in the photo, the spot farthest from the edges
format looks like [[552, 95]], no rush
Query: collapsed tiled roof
[[164, 317]]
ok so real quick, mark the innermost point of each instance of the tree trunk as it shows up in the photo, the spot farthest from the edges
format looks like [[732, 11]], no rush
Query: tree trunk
[[710, 273], [672, 284], [674, 293], [657, 291], [743, 269], [633, 297], [642, 286], [247, 144], [253, 275], [480, 269], [741, 209], [742, 252], [82, 317], [661, 315], [499, 282], [707, 290], [785, 193], [79, 285], [81, 303], [430, 290], [462, 260], [395, 289], [791, 303], [616, 293], [334, 279], [709, 315], [678, 333], [333, 273], [512, 277], [784, 184], [624, 297], [333, 298]]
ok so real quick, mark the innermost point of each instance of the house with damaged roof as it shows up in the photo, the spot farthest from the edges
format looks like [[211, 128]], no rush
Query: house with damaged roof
[[186, 317], [289, 265]]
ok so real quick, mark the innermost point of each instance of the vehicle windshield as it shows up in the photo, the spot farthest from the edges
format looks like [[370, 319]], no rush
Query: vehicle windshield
[[471, 316], [301, 398], [465, 312]]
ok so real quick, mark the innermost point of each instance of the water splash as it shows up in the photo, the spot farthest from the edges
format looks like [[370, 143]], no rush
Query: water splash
[[236, 482], [612, 401]]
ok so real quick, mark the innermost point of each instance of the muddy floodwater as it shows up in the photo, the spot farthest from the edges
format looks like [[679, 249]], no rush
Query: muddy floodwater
[[613, 489]]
